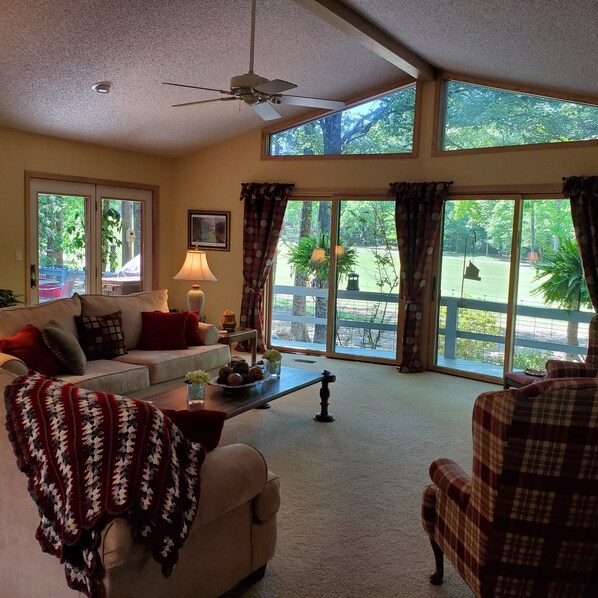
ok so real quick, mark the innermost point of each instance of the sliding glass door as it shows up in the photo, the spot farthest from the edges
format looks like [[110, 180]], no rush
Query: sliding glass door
[[504, 304], [87, 238], [336, 278]]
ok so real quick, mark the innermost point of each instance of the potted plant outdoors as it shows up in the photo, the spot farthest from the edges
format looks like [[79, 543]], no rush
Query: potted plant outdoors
[[311, 257], [8, 298], [196, 387]]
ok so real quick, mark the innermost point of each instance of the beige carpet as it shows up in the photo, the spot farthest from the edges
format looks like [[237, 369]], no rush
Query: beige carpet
[[349, 523]]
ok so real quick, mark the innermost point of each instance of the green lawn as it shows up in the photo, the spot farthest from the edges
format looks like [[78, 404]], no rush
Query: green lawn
[[493, 272]]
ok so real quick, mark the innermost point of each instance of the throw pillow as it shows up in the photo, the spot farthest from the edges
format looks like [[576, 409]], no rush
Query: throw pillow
[[192, 334], [203, 426], [28, 345], [162, 331], [101, 337], [66, 347]]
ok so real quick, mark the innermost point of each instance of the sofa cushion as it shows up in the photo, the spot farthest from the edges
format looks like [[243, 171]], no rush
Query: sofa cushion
[[203, 426], [131, 307], [168, 365], [111, 376], [193, 337], [162, 331], [28, 345], [66, 347], [63, 311], [101, 337]]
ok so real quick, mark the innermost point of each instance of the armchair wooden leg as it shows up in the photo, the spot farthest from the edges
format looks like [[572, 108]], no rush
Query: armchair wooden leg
[[436, 577]]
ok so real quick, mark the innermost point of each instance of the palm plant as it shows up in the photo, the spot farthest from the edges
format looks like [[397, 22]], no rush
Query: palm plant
[[562, 281], [301, 258]]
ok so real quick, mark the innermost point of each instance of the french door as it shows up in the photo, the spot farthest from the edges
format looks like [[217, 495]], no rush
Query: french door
[[87, 238]]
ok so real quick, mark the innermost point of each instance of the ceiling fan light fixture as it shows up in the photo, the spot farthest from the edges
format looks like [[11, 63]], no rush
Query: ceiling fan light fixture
[[102, 87]]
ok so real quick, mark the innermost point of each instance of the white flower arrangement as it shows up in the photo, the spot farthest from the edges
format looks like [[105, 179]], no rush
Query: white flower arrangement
[[197, 377], [272, 355]]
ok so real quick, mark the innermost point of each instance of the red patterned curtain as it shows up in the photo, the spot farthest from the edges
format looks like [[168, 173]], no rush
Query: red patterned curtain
[[417, 214], [582, 192], [265, 205]]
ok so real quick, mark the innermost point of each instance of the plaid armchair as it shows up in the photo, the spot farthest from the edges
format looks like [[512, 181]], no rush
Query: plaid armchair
[[526, 522], [556, 368]]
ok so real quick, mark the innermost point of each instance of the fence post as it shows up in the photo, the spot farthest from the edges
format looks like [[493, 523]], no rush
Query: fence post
[[450, 329]]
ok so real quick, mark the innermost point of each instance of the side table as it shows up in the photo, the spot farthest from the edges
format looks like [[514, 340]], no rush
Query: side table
[[240, 334]]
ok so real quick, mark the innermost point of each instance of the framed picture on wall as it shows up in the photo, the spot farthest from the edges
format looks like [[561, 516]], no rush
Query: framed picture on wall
[[209, 230]]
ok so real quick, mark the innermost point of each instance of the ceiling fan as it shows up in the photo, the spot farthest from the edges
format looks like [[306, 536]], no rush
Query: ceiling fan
[[258, 92]]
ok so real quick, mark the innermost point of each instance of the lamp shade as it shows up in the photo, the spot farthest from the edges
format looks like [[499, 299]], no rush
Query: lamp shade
[[195, 267]]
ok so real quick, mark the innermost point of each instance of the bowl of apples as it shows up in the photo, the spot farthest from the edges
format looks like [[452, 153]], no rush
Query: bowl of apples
[[238, 375]]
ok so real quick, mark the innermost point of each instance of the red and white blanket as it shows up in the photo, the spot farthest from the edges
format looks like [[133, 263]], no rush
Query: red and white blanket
[[91, 457]]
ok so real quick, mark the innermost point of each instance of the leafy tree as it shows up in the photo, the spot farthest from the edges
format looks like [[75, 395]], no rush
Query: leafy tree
[[384, 125], [478, 116], [561, 281]]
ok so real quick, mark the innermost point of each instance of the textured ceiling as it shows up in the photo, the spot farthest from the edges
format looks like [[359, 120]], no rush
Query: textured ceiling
[[53, 51]]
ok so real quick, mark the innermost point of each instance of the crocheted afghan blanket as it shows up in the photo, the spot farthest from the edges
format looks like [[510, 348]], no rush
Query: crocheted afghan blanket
[[91, 457]]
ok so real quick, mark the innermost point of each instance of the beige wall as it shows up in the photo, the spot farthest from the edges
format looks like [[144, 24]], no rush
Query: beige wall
[[211, 179], [20, 152]]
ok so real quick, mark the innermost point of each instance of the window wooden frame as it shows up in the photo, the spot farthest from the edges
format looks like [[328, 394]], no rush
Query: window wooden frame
[[440, 105], [369, 96]]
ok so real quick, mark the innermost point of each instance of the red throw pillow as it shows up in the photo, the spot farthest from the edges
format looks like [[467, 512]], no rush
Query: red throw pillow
[[203, 426], [29, 346], [161, 330], [192, 334]]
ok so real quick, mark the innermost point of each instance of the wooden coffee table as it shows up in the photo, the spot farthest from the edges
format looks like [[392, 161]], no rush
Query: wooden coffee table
[[235, 402]]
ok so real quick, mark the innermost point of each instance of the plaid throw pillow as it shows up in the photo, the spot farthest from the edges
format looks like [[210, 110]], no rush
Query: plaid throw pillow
[[101, 337]]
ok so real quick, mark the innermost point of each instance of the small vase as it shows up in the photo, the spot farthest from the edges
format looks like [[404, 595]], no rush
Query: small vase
[[274, 368], [196, 394]]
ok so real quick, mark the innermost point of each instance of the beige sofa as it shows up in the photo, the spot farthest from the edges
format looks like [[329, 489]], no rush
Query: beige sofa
[[134, 371], [233, 535]]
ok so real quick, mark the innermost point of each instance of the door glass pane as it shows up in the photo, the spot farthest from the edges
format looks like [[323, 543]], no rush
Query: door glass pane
[[61, 246], [368, 276], [300, 290], [553, 306], [474, 284], [121, 248]]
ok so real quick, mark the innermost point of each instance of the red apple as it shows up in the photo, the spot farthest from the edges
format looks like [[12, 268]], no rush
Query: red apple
[[234, 379]]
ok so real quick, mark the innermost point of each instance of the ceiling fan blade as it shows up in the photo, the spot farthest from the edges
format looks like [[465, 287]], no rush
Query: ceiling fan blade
[[196, 87], [274, 86], [266, 110], [203, 102], [311, 102]]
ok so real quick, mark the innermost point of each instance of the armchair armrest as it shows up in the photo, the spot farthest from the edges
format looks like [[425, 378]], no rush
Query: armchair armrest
[[208, 333], [450, 478], [569, 369]]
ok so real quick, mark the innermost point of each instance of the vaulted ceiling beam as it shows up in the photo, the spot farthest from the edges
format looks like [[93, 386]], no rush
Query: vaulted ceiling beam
[[371, 36]]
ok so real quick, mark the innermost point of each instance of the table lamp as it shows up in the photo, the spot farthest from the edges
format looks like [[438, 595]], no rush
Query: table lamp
[[195, 268]]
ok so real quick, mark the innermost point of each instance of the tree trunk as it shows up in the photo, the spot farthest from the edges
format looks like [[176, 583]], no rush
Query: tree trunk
[[331, 132], [299, 330], [324, 218]]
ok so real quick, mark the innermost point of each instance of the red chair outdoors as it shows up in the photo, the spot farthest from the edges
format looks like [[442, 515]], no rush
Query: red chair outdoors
[[526, 522]]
